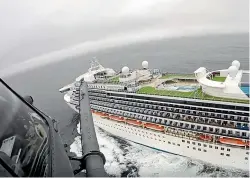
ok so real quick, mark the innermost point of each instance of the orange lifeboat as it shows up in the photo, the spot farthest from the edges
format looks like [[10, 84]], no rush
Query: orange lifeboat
[[116, 118], [232, 141], [205, 137], [101, 114], [134, 122], [154, 127]]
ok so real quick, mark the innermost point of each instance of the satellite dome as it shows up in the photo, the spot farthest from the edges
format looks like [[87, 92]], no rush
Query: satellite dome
[[236, 64], [125, 70], [232, 71], [144, 64]]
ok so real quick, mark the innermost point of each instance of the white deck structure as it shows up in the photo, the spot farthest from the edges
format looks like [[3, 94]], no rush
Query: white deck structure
[[230, 88]]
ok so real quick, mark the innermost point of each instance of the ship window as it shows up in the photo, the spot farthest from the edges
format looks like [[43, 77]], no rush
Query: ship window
[[193, 143], [173, 143], [216, 147], [188, 142], [247, 153], [246, 158], [183, 141], [199, 149], [178, 145], [244, 134], [194, 148], [222, 154], [187, 146], [169, 142], [199, 144], [222, 148], [205, 150], [204, 145], [227, 154]]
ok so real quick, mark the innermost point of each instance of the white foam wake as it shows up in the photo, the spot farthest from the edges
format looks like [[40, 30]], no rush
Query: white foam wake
[[131, 159]]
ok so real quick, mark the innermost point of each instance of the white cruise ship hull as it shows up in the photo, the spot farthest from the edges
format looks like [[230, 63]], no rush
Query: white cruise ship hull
[[221, 155]]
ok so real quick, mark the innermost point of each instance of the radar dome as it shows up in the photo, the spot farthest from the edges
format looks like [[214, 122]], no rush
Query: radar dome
[[145, 64], [125, 70], [232, 71], [236, 64]]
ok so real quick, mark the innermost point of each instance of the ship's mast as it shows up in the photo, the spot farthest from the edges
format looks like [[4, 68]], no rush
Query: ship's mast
[[95, 65]]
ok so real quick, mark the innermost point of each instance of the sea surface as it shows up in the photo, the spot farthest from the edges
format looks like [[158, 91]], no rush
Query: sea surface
[[180, 55]]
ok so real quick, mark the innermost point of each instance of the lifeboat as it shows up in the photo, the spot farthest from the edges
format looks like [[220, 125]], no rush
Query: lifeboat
[[205, 137], [232, 141], [116, 118], [101, 114], [154, 127], [134, 122]]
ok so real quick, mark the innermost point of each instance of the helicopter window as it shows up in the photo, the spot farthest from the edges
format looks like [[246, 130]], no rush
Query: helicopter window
[[24, 137]]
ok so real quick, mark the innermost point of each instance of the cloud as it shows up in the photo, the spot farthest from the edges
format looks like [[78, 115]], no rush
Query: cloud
[[109, 42], [37, 28]]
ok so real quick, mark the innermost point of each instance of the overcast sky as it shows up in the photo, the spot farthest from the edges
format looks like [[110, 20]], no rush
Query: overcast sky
[[37, 28]]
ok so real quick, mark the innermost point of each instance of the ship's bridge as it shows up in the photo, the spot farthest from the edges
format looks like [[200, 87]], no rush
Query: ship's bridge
[[96, 71]]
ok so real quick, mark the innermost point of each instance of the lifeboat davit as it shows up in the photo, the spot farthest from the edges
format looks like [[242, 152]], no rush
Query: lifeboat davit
[[232, 141], [116, 118], [154, 127], [205, 137], [248, 143], [134, 122]]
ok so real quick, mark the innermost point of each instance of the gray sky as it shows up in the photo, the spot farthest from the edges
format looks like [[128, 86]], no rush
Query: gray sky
[[30, 31]]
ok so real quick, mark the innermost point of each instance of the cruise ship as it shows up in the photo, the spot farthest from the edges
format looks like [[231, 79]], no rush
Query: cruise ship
[[203, 115]]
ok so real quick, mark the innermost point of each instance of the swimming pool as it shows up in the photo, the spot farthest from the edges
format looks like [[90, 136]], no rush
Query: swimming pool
[[183, 88], [187, 88], [245, 89]]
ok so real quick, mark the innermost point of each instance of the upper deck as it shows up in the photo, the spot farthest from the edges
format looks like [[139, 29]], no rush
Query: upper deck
[[202, 85]]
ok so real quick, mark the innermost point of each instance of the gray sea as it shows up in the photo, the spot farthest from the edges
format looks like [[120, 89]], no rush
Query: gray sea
[[179, 55]]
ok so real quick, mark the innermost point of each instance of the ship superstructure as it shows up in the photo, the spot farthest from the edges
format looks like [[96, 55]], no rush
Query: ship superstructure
[[203, 116]]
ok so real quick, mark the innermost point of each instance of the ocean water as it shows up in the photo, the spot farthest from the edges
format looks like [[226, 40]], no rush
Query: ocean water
[[182, 55]]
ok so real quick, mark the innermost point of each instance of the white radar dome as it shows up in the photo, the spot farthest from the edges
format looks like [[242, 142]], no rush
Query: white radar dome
[[236, 64], [144, 64], [232, 71], [125, 70]]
